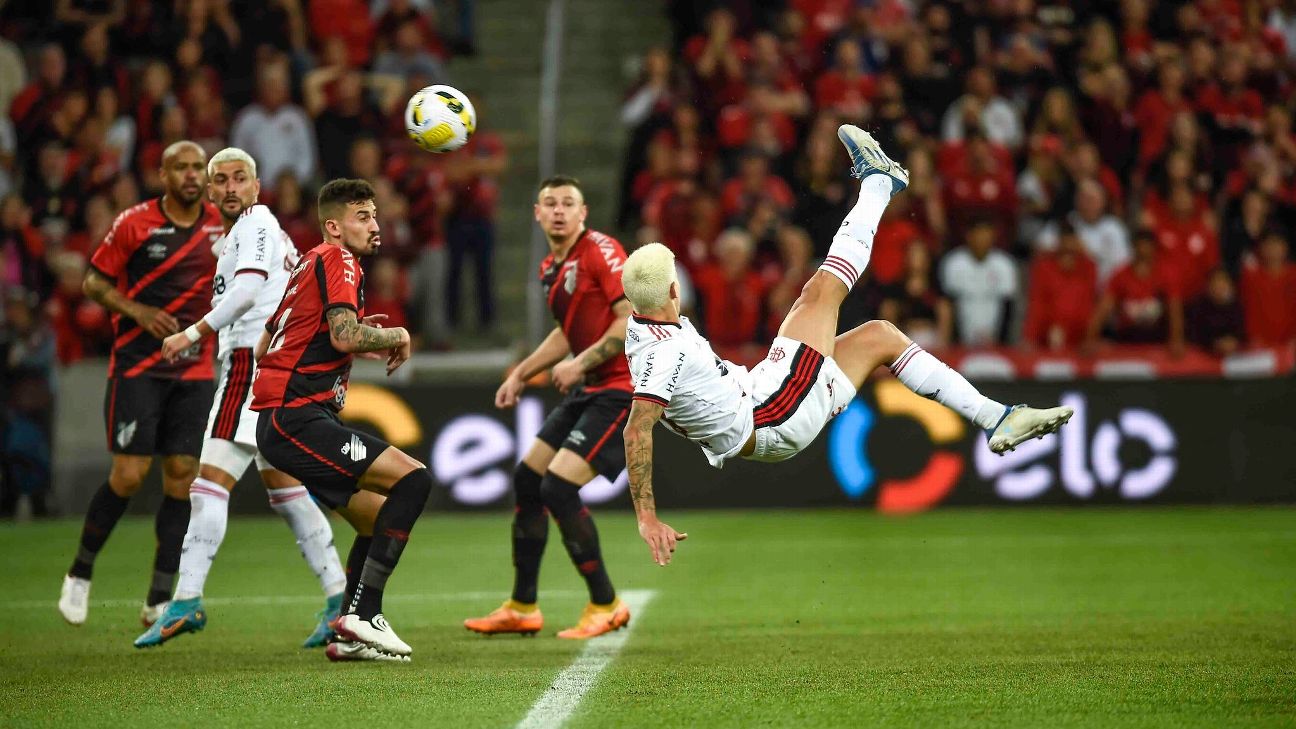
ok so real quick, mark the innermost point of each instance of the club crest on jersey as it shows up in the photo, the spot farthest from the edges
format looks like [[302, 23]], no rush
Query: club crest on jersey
[[569, 279], [157, 251], [125, 433], [776, 354]]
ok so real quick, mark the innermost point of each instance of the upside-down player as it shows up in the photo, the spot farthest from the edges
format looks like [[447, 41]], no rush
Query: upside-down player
[[774, 411], [304, 364], [582, 436], [252, 268], [153, 271]]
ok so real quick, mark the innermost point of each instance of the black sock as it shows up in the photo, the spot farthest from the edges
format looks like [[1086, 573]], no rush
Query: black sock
[[530, 533], [105, 509], [354, 565], [579, 535], [395, 519], [170, 527]]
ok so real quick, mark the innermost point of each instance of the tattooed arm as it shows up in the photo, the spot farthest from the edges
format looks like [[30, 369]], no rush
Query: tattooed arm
[[661, 537], [612, 344], [349, 335]]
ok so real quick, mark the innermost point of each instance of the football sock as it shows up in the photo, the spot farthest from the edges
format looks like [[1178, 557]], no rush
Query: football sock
[[314, 535], [105, 509], [853, 243], [579, 535], [935, 380], [208, 516], [391, 532], [530, 533], [170, 526], [355, 565]]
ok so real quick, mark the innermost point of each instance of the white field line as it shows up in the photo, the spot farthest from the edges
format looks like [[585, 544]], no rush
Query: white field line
[[564, 695], [262, 600]]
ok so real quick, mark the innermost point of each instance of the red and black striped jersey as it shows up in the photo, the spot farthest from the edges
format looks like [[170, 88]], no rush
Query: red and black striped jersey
[[301, 366], [580, 291], [158, 263]]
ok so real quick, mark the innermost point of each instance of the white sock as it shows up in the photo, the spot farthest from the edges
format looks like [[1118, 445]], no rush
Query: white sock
[[314, 535], [852, 245], [208, 516], [935, 380]]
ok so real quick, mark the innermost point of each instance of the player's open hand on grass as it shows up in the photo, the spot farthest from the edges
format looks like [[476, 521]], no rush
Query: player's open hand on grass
[[156, 321], [175, 345], [567, 374], [661, 538], [509, 391]]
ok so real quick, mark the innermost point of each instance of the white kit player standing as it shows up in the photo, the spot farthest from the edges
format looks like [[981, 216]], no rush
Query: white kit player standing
[[254, 262]]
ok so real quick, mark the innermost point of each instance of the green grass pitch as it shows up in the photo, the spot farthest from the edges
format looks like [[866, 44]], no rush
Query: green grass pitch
[[1033, 618]]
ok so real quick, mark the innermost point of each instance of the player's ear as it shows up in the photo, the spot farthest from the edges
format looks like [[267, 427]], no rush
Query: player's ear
[[537, 212], [256, 190]]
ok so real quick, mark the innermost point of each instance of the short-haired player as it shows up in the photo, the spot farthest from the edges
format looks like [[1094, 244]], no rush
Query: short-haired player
[[254, 258], [811, 374]]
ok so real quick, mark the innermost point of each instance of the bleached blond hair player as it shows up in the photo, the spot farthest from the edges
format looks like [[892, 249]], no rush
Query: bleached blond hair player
[[254, 259], [810, 375]]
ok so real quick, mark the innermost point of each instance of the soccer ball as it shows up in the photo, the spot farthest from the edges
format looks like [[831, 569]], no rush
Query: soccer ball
[[440, 118]]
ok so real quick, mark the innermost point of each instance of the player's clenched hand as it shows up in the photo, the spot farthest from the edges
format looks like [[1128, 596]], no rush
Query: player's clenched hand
[[174, 345], [661, 538], [567, 375], [400, 353], [156, 321], [507, 394]]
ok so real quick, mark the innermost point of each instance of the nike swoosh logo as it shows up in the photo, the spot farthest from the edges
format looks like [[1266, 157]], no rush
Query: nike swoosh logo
[[170, 630]]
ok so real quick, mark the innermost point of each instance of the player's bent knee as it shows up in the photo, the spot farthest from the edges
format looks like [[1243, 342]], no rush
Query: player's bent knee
[[559, 495], [128, 474], [391, 466], [572, 467]]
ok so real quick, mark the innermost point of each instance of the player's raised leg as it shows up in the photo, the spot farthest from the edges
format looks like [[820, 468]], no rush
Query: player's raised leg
[[813, 317], [879, 343]]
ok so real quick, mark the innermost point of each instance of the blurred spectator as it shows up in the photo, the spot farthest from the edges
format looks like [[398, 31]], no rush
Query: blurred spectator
[[275, 131], [297, 220], [754, 184], [929, 87], [470, 223], [717, 59], [1063, 293], [1245, 221], [980, 186], [794, 269], [1104, 236], [22, 247], [409, 59], [845, 89], [346, 19], [915, 304], [13, 74], [1141, 304], [384, 292], [81, 326], [982, 108], [336, 97], [38, 100], [1157, 107], [982, 282], [730, 292], [1269, 293], [1187, 240], [1214, 320], [26, 381]]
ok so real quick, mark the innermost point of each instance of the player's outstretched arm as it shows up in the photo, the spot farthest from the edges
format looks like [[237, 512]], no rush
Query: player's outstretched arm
[[661, 537], [349, 335], [550, 352], [153, 320], [612, 344]]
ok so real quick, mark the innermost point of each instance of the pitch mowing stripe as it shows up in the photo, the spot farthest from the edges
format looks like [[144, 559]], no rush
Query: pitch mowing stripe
[[262, 600], [565, 693]]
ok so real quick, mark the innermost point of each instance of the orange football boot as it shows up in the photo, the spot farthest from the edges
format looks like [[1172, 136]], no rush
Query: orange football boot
[[507, 618], [599, 619]]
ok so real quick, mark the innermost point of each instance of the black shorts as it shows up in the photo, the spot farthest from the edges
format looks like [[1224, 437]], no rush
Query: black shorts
[[310, 443], [589, 424], [156, 416]]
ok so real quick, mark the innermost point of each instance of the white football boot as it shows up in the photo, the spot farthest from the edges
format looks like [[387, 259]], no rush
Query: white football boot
[[74, 600], [150, 614], [375, 633], [1021, 423], [356, 651]]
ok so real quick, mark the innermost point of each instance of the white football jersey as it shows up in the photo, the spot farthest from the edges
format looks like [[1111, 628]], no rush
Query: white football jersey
[[707, 399], [255, 243]]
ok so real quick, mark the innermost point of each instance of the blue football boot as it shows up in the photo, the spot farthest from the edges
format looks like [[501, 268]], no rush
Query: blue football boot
[[181, 616]]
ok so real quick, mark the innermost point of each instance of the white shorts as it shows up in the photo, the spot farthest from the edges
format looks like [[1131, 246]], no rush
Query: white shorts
[[797, 391], [231, 421]]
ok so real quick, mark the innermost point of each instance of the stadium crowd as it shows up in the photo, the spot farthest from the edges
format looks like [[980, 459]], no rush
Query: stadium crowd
[[1082, 173]]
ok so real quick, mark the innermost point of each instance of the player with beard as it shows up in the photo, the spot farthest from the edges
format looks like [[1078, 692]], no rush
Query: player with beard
[[582, 436], [152, 271], [304, 364], [254, 259]]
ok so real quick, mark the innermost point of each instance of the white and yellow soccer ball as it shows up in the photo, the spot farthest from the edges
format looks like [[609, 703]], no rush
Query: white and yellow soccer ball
[[440, 118]]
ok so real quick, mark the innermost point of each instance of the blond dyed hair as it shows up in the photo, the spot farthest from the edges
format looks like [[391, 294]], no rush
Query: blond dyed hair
[[231, 154], [647, 277]]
